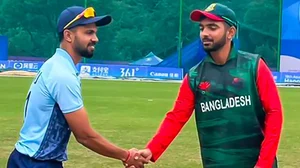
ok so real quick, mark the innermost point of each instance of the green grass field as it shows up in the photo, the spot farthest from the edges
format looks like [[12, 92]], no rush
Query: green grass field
[[128, 114]]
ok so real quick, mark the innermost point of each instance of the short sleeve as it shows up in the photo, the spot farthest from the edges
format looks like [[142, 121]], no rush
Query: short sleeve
[[66, 91]]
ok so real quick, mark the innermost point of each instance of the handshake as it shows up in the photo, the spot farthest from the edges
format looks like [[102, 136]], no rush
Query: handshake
[[137, 158]]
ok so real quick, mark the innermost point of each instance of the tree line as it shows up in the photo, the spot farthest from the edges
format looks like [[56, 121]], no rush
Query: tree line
[[139, 26]]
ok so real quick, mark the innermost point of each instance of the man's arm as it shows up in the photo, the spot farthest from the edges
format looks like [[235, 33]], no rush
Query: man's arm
[[173, 122], [88, 137], [66, 91], [269, 97]]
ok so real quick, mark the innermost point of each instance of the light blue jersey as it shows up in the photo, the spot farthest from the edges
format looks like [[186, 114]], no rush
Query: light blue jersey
[[55, 91]]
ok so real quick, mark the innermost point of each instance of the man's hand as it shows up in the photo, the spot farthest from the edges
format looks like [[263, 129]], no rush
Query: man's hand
[[146, 153], [135, 159]]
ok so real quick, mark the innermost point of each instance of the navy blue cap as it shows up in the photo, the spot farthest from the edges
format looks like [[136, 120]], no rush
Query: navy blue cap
[[71, 12]]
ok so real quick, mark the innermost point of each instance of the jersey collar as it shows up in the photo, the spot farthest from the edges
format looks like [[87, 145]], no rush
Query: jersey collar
[[63, 53]]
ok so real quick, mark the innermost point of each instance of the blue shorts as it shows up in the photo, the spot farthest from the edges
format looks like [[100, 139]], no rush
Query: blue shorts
[[18, 160]]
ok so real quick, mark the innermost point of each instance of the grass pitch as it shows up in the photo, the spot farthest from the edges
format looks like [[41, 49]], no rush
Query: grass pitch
[[128, 114]]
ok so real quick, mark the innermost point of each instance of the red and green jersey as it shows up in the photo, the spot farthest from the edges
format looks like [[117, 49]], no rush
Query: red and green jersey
[[237, 109], [229, 114]]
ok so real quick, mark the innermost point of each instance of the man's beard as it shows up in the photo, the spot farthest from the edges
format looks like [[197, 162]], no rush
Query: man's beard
[[215, 46], [83, 51]]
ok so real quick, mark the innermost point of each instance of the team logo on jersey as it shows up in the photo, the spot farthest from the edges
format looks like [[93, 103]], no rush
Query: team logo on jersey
[[237, 82], [204, 86]]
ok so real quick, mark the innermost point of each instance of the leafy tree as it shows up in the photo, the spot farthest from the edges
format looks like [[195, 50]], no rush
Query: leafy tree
[[139, 26]]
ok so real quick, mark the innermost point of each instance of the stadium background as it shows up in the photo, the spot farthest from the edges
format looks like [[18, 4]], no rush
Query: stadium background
[[141, 27], [156, 36], [128, 113]]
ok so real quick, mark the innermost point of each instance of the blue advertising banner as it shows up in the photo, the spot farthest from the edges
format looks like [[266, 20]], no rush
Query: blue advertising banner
[[276, 76], [118, 71], [126, 71], [3, 65], [103, 70], [165, 73], [290, 37], [25, 65], [289, 77], [3, 48], [286, 77]]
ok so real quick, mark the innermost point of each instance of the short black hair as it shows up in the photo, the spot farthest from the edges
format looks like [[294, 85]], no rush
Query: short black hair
[[227, 26], [61, 34]]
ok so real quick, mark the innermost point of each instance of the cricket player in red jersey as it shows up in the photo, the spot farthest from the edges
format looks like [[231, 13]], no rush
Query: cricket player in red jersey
[[237, 106]]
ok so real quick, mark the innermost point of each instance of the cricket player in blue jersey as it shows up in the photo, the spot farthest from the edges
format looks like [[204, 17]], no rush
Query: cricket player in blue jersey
[[54, 107]]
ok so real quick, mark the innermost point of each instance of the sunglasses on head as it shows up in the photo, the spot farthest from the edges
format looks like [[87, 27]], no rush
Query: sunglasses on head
[[87, 13]]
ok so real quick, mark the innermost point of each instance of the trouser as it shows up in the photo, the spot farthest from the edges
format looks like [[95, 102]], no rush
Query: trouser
[[19, 160]]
